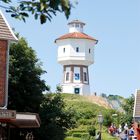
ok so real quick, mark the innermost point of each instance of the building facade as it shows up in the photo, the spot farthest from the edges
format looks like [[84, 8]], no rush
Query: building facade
[[76, 54]]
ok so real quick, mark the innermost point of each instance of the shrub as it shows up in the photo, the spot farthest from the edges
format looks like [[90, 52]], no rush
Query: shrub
[[71, 138], [92, 131], [77, 135]]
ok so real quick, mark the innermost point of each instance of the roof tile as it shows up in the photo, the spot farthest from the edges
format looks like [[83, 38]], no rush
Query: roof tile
[[76, 35], [137, 105], [5, 31]]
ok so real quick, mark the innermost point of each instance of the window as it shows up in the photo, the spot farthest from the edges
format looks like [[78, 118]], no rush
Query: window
[[77, 25], [89, 50], [85, 76], [76, 90], [67, 76], [63, 50], [76, 76], [77, 49]]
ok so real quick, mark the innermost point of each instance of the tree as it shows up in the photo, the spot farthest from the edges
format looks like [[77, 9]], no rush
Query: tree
[[128, 108], [43, 9], [58, 88], [25, 84], [55, 118]]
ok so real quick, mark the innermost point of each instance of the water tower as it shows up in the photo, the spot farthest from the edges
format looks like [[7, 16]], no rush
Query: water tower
[[76, 54]]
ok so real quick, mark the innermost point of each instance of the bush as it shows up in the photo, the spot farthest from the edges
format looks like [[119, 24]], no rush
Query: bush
[[86, 121], [71, 138], [77, 135], [92, 131]]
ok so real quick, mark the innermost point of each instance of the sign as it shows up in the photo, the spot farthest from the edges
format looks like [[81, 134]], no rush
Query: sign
[[29, 136], [7, 114], [3, 72]]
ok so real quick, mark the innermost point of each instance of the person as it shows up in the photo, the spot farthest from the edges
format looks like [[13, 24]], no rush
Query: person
[[120, 129], [138, 132], [131, 133], [125, 126], [111, 129], [126, 134]]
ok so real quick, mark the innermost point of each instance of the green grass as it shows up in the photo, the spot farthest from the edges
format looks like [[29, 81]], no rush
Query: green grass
[[86, 113], [72, 138], [106, 136]]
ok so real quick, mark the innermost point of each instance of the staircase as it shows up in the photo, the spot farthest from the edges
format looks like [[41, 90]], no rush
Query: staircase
[[136, 113]]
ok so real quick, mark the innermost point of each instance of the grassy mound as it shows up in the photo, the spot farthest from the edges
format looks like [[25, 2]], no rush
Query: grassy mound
[[86, 115]]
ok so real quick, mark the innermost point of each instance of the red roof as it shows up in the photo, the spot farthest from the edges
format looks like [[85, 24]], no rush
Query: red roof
[[76, 35]]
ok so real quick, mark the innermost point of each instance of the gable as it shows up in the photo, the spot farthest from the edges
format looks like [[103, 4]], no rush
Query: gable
[[136, 112], [6, 32]]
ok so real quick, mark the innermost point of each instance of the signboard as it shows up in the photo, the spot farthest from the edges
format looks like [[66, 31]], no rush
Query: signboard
[[3, 72], [7, 114]]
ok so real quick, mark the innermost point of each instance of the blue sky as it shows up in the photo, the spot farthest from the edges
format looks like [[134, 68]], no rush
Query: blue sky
[[115, 23]]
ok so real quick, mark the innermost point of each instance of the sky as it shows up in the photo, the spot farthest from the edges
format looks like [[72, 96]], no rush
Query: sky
[[114, 23]]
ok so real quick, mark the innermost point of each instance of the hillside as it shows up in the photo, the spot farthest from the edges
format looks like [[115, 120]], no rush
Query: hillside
[[108, 102], [87, 109], [98, 100]]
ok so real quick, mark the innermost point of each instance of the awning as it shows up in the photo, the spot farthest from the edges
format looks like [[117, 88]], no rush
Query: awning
[[26, 120], [23, 120]]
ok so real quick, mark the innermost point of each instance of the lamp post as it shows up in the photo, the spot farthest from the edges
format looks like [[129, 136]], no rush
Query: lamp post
[[100, 121]]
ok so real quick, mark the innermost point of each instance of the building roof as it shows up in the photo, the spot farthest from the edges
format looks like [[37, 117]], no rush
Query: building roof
[[6, 32], [76, 21], [76, 35], [136, 112]]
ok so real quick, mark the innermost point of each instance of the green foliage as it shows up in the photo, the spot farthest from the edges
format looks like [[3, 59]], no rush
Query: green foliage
[[114, 97], [25, 85], [77, 135], [91, 121], [92, 131], [72, 138], [58, 89], [55, 118], [128, 108], [108, 119], [42, 9]]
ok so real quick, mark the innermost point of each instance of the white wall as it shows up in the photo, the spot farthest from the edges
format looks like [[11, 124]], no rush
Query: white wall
[[69, 88], [70, 55]]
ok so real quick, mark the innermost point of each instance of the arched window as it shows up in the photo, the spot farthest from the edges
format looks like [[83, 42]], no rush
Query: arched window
[[67, 76], [77, 49], [63, 50], [89, 50], [85, 76]]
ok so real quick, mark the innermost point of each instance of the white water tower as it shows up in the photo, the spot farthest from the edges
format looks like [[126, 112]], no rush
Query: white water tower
[[76, 53]]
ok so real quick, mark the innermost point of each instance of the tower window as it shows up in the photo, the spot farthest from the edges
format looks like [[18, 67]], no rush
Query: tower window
[[77, 76], [67, 76], [77, 49], [89, 50], [63, 50], [85, 76], [77, 25]]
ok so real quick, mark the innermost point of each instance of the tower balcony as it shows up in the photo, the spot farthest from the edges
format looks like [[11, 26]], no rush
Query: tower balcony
[[74, 60]]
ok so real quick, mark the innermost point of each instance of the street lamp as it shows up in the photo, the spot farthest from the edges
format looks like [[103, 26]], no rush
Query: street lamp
[[100, 121]]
